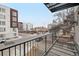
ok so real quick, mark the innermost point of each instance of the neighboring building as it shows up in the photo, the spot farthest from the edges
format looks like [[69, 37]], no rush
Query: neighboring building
[[20, 26], [8, 22], [29, 26], [24, 27]]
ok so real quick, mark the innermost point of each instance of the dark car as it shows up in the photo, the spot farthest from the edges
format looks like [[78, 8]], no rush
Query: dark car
[[39, 39]]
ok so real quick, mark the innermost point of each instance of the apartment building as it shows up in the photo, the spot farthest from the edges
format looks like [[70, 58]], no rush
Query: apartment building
[[8, 22], [20, 26], [29, 26], [24, 27]]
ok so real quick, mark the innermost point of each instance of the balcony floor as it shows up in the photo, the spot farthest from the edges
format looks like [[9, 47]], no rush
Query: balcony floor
[[61, 50]]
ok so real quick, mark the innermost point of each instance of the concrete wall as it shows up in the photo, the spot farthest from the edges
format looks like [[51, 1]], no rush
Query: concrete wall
[[77, 34], [76, 26]]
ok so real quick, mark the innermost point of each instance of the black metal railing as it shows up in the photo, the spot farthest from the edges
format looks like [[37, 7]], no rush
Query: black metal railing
[[76, 46], [36, 46]]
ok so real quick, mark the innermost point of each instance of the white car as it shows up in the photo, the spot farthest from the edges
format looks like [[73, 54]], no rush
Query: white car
[[2, 40]]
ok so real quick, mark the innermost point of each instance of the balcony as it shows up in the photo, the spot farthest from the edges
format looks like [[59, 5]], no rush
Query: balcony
[[42, 45]]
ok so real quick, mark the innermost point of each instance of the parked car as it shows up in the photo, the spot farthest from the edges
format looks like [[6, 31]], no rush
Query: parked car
[[40, 39], [2, 40]]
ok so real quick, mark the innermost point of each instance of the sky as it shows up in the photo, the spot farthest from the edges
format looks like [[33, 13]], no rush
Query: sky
[[35, 13]]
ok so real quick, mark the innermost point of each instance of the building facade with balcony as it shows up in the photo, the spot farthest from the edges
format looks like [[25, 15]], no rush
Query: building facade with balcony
[[8, 22]]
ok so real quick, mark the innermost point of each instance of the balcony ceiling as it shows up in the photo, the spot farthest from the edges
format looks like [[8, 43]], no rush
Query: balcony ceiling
[[53, 7]]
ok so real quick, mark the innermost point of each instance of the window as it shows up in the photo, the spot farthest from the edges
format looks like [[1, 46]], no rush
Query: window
[[2, 16], [14, 34], [14, 24], [14, 19], [2, 29], [2, 35], [2, 10], [2, 22], [14, 29], [14, 13]]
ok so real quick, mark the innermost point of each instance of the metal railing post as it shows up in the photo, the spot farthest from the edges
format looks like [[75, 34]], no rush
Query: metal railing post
[[9, 51], [35, 48], [24, 49], [27, 48], [52, 37], [15, 50], [20, 49], [2, 52], [30, 48], [45, 44]]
